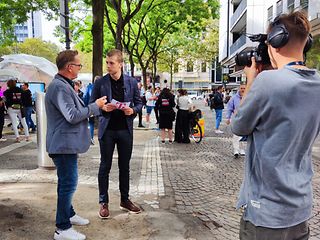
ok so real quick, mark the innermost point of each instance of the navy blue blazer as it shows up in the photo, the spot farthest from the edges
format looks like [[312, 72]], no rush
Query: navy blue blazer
[[102, 87]]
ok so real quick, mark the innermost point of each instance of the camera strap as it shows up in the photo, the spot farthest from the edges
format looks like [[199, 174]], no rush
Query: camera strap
[[296, 63]]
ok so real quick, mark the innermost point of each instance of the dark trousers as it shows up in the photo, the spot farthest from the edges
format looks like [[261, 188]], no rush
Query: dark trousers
[[156, 112], [30, 123], [123, 139], [1, 123], [182, 130], [248, 231], [140, 118]]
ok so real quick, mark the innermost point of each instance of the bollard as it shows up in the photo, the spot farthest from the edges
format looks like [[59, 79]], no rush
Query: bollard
[[44, 161]]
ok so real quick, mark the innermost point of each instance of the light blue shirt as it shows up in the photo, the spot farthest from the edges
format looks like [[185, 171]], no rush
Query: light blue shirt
[[233, 104], [282, 118]]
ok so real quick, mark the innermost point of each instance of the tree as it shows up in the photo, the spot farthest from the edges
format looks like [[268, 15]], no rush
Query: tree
[[44, 49], [97, 37], [313, 56], [167, 18], [123, 15], [16, 12]]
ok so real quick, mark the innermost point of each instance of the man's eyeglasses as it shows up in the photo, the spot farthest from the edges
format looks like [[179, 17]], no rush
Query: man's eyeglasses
[[78, 65]]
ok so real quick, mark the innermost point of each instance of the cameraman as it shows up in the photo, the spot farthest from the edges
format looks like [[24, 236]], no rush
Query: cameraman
[[279, 112]]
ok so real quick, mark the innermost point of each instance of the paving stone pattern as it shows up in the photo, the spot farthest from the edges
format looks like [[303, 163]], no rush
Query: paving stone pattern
[[206, 179]]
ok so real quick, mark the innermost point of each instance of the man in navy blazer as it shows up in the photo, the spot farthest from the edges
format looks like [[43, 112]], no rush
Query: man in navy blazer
[[67, 135], [116, 128]]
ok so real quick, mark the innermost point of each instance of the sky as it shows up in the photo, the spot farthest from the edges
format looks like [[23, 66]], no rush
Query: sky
[[48, 29]]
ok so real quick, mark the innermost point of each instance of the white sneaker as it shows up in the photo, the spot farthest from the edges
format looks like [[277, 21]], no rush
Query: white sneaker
[[3, 139], [218, 131], [80, 221], [242, 152], [69, 234]]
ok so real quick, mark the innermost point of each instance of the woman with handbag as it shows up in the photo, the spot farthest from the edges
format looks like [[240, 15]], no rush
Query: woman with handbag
[[165, 104], [14, 99]]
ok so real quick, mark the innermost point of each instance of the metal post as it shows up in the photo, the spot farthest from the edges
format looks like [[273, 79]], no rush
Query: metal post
[[44, 161], [64, 20]]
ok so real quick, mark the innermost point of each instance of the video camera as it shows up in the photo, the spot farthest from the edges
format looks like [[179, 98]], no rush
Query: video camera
[[260, 53]]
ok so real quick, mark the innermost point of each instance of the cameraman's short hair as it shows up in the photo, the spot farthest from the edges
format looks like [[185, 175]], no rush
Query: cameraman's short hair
[[65, 57], [116, 52], [297, 25]]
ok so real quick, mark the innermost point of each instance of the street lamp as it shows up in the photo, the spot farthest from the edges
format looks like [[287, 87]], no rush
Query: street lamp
[[64, 20]]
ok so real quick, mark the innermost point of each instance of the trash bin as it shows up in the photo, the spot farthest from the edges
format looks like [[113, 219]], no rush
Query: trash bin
[[44, 161]]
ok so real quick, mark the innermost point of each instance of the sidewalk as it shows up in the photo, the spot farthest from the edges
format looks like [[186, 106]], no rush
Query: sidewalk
[[28, 196]]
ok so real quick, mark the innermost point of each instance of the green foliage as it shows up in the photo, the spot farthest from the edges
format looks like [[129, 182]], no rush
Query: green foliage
[[16, 12], [44, 49], [313, 56]]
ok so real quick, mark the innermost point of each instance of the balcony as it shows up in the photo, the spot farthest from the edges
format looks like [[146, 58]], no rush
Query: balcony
[[238, 44], [236, 15]]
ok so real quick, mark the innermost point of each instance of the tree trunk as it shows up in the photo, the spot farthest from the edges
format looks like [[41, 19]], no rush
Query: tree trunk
[[97, 37], [119, 33], [144, 76], [131, 64], [154, 71], [171, 71]]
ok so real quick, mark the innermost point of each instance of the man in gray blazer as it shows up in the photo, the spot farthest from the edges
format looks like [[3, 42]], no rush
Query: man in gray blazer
[[67, 135], [116, 127]]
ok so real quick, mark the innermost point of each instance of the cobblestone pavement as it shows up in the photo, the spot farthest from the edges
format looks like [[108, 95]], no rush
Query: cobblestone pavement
[[203, 179], [206, 179]]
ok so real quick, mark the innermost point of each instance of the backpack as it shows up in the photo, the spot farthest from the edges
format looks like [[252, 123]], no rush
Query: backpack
[[212, 103]]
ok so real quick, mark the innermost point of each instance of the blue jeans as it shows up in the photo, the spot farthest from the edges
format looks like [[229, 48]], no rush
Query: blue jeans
[[67, 172], [91, 126], [218, 117], [29, 121], [124, 141]]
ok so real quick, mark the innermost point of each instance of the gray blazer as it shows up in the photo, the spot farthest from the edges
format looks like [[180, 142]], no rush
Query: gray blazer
[[102, 87], [67, 119]]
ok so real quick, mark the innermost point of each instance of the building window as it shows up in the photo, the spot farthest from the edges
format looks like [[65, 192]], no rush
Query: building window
[[290, 6], [203, 67], [270, 14], [304, 5], [279, 7], [176, 68], [190, 66]]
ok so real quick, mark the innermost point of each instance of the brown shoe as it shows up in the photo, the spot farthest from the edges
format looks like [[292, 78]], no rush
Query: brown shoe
[[129, 207], [104, 211]]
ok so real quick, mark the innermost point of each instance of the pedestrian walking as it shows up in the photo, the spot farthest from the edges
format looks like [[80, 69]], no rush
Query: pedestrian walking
[[86, 100], [13, 99], [2, 113], [116, 128], [143, 100], [233, 103], [150, 98], [165, 105], [156, 110], [67, 136], [279, 112], [218, 106], [28, 106], [77, 85], [182, 128]]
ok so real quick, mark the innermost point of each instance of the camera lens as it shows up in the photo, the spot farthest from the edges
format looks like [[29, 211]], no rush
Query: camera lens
[[244, 58]]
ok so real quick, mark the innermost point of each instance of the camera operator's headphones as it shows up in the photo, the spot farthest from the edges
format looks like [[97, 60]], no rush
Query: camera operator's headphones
[[279, 36]]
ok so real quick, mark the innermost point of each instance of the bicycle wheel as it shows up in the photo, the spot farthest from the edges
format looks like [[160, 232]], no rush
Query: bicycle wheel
[[196, 133]]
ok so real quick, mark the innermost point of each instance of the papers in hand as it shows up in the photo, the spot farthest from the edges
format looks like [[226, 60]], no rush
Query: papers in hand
[[120, 105]]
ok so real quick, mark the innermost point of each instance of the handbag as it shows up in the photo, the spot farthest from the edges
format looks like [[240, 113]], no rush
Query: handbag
[[16, 106]]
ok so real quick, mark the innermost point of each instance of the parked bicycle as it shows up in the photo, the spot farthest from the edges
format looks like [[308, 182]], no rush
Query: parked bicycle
[[195, 128]]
